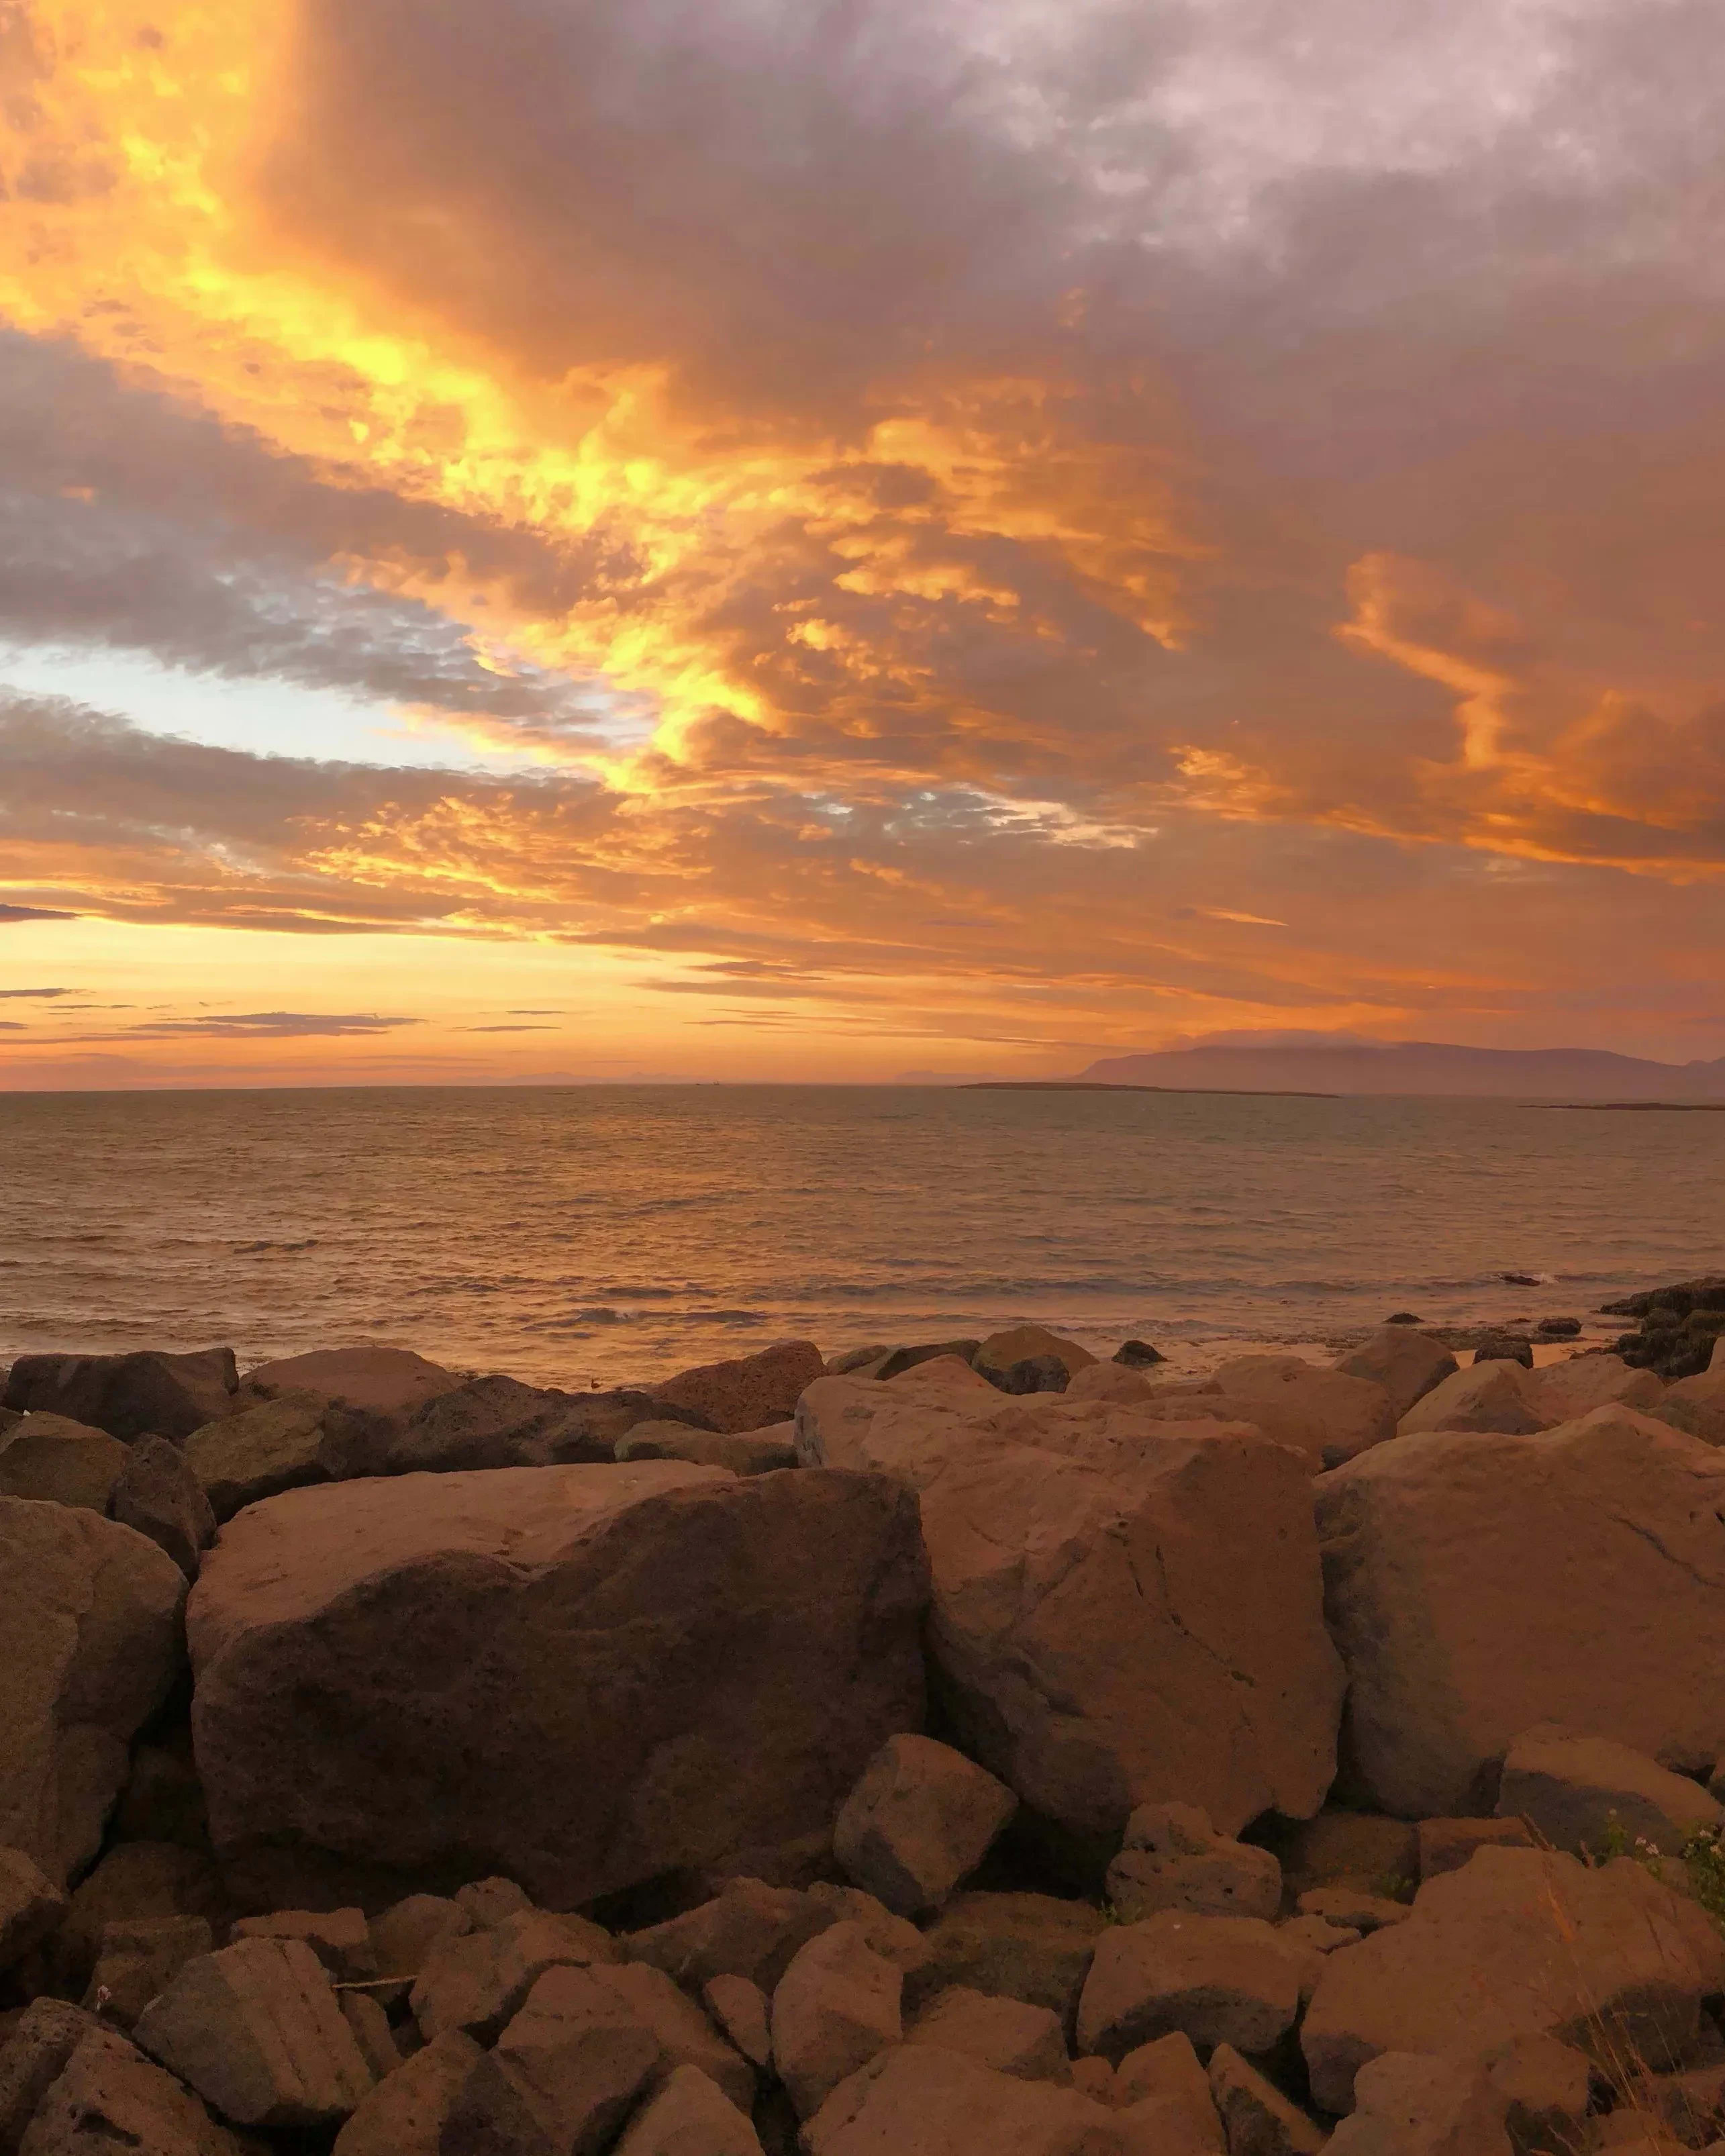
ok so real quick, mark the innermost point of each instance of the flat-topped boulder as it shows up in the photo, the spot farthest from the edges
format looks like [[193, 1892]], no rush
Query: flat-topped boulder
[[129, 1396], [578, 1677], [1125, 1612], [385, 1381], [1478, 1585], [90, 1625], [60, 1461]]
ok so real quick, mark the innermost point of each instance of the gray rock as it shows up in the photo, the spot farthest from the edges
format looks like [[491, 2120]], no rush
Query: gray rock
[[1174, 1859], [59, 1462], [1219, 1979], [257, 2031], [835, 2007], [561, 2079], [158, 1494], [478, 1981], [90, 1643], [31, 1905], [129, 1396], [921, 1817], [136, 1961], [405, 2115], [260, 1450], [688, 2117], [1571, 1789], [110, 2099]]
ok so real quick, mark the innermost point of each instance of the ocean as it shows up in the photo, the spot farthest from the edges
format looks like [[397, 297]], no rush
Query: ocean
[[583, 1234]]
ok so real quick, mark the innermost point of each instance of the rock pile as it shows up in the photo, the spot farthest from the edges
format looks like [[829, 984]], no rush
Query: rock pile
[[953, 1748]]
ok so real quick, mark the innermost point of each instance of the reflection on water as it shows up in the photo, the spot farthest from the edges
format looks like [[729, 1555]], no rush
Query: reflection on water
[[585, 1233]]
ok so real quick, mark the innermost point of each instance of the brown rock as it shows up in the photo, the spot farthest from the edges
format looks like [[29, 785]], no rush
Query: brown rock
[[1696, 1405], [1002, 2033], [136, 1882], [33, 2057], [1564, 1392], [492, 1901], [1345, 1848], [744, 2012], [31, 1905], [59, 1462], [341, 1938], [1446, 1845], [1095, 1650], [750, 1392], [90, 1642], [1166, 2071], [158, 1495], [497, 1422], [1481, 1585], [749, 1929], [916, 2101], [1545, 2086], [260, 1450], [1330, 1415], [128, 1396], [920, 1819], [1174, 1859], [894, 1938], [109, 2099], [1110, 1381], [745, 1647], [1354, 1911], [1030, 1946], [1517, 1942], [407, 1931], [747, 1452], [370, 2025], [835, 2007], [688, 2117], [1497, 1396], [478, 1981], [1407, 1362], [1023, 1343], [379, 1381], [561, 2078], [1413, 2106], [1257, 2119], [1570, 1789], [257, 2031], [136, 1961], [406, 2114], [686, 2035], [1220, 1979]]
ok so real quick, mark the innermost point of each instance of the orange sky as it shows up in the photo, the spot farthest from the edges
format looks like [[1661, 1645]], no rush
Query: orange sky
[[734, 540]]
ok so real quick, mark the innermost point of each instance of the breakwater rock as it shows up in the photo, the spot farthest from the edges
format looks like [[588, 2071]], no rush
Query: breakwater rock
[[948, 1748]]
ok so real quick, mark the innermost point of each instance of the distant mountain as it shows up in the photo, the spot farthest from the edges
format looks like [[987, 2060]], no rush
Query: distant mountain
[[1415, 1066]]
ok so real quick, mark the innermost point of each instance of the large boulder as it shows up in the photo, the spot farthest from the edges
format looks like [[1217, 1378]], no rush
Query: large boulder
[[1330, 1415], [1574, 1790], [159, 1495], [1495, 1395], [920, 1819], [1001, 1352], [60, 1462], [90, 1643], [1480, 1584], [748, 1393], [498, 1422], [1568, 1390], [1125, 1612], [128, 1396], [917, 2100], [1406, 1362], [259, 1451], [379, 1381], [1519, 1941], [1696, 1405], [110, 2098], [1034, 1947], [577, 1677]]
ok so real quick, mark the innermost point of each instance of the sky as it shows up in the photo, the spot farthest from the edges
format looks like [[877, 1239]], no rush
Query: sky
[[835, 539]]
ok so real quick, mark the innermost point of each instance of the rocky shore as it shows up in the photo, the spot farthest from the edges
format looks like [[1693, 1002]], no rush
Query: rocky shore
[[960, 1748]]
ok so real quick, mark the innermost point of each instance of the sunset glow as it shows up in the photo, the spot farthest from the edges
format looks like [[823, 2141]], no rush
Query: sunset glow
[[726, 540]]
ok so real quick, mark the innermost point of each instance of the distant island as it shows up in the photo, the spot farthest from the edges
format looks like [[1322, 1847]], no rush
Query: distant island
[[1584, 1076], [1116, 1086]]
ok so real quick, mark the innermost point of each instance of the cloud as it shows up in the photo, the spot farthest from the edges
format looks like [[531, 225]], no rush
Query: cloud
[[31, 913], [978, 502], [260, 1025], [44, 994]]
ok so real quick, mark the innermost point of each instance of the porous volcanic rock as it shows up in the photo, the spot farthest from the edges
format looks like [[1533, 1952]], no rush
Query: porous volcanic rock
[[748, 1393], [1125, 1612], [128, 1396], [90, 1643], [384, 1668], [1478, 1585]]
